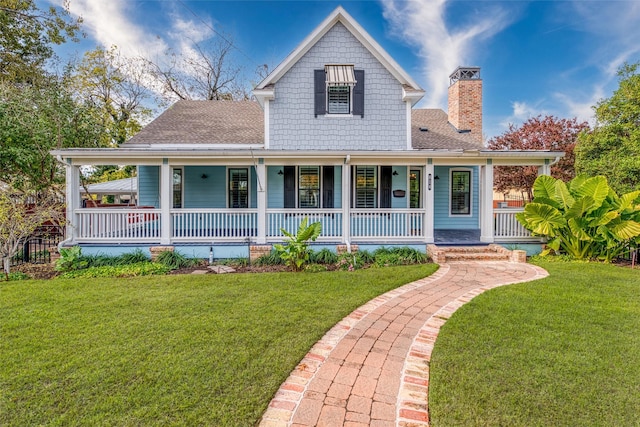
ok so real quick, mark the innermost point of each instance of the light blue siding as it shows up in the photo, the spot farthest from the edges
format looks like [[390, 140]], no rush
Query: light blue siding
[[206, 192], [399, 182], [253, 187], [293, 125], [275, 188], [442, 200], [337, 187], [149, 186]]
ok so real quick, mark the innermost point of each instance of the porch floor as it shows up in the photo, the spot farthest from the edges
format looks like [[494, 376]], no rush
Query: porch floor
[[457, 237]]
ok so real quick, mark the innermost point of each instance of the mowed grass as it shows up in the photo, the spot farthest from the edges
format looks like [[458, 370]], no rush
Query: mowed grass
[[167, 350], [562, 351]]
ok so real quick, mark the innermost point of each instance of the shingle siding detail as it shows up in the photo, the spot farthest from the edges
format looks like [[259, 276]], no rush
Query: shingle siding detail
[[292, 122]]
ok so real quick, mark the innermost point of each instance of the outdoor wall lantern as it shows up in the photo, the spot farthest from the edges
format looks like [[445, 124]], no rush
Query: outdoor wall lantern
[[280, 172]]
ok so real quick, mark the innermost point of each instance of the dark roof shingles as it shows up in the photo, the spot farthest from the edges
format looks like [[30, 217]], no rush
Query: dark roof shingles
[[205, 122], [440, 134]]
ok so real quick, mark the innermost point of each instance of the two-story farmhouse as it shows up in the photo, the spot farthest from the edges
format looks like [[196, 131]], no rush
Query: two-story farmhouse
[[332, 136]]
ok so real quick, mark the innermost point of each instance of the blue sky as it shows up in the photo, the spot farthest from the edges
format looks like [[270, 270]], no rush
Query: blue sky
[[537, 57]]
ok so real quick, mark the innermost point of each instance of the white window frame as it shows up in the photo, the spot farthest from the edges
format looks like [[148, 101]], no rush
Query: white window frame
[[298, 189], [376, 187], [227, 189], [460, 215]]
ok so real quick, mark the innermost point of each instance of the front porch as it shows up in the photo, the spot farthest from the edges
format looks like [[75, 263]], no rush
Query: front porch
[[138, 225]]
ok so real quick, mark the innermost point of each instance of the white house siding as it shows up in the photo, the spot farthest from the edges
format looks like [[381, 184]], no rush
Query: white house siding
[[292, 123]]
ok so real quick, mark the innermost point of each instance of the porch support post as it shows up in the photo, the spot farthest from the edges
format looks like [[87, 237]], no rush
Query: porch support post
[[486, 202], [544, 169], [165, 202], [72, 176], [346, 200], [262, 202], [429, 185]]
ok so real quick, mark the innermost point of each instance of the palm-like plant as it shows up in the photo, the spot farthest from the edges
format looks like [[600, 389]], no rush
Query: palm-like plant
[[295, 252], [584, 218]]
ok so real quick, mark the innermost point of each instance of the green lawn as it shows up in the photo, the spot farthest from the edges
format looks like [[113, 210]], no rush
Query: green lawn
[[562, 351], [167, 350]]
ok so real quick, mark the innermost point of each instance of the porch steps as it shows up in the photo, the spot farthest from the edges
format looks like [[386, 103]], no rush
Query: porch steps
[[493, 252]]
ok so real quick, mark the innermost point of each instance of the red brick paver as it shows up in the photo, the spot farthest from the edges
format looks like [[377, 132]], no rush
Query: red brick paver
[[372, 368]]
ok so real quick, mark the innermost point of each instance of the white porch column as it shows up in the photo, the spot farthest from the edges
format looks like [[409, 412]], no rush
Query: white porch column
[[262, 202], [72, 190], [346, 201], [544, 169], [165, 202], [429, 186], [486, 202]]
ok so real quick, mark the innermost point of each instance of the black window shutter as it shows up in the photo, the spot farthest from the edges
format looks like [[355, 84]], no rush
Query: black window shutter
[[327, 187], [289, 187], [385, 187], [358, 93], [320, 90]]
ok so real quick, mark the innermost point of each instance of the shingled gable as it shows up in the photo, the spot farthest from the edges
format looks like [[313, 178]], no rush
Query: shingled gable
[[411, 90], [236, 123]]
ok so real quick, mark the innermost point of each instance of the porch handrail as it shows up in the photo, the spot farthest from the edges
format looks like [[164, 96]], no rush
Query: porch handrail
[[121, 224], [289, 219], [506, 226], [214, 224], [387, 224]]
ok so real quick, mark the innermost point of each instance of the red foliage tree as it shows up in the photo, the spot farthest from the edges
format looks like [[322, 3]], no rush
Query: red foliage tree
[[537, 133]]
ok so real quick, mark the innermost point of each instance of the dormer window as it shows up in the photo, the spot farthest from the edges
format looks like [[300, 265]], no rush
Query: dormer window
[[339, 90]]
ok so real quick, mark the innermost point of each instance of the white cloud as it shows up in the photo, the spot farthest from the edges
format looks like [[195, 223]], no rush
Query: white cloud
[[521, 111], [441, 48]]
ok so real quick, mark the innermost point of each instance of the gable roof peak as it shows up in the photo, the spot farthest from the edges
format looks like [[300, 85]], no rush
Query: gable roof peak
[[339, 14]]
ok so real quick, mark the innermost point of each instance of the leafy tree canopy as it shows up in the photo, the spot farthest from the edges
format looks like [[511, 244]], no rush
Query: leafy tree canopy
[[612, 148], [537, 133], [27, 36], [35, 120]]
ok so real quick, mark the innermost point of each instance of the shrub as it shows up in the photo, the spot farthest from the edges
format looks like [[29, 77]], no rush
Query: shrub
[[134, 257], [315, 268], [175, 260], [324, 256], [71, 259], [130, 270], [16, 275], [583, 218], [295, 251], [352, 261], [272, 258], [398, 256]]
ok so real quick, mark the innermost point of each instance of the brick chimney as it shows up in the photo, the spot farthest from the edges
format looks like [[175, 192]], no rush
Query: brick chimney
[[465, 101]]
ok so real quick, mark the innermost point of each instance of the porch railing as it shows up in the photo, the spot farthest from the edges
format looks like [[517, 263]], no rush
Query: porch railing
[[289, 219], [97, 224], [210, 224], [387, 224], [506, 226]]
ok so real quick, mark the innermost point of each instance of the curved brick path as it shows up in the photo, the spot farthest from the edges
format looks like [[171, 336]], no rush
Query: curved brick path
[[372, 368]]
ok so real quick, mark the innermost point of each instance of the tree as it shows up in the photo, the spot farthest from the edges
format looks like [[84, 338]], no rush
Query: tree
[[21, 214], [113, 88], [537, 133], [612, 148], [35, 120], [206, 72], [27, 36]]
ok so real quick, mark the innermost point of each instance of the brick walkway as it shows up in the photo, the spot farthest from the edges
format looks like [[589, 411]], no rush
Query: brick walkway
[[372, 368]]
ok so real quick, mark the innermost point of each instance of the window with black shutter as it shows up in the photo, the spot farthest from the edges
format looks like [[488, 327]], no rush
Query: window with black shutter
[[289, 187], [339, 89], [238, 188], [327, 187]]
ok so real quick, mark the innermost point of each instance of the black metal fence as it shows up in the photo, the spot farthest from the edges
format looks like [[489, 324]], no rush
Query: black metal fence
[[39, 246]]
